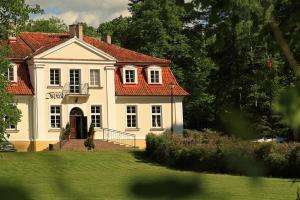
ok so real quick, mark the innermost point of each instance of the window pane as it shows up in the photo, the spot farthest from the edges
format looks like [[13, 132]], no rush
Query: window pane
[[11, 73], [55, 117], [156, 116], [96, 116], [94, 77], [131, 117], [54, 76], [154, 76], [130, 76]]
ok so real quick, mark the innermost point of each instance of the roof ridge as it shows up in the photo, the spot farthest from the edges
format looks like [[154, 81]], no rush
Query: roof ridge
[[45, 33], [135, 52], [27, 43]]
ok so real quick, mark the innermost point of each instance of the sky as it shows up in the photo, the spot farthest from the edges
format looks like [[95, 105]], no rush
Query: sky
[[92, 12]]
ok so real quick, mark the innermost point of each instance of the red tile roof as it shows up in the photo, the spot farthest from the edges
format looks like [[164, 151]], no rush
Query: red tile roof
[[142, 88], [23, 85], [33, 43]]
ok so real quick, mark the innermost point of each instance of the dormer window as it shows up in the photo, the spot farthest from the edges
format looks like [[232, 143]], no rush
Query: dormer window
[[129, 74], [12, 73], [154, 75]]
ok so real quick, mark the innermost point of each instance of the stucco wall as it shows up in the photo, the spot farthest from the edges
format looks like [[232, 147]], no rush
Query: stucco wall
[[24, 129], [35, 121], [144, 114]]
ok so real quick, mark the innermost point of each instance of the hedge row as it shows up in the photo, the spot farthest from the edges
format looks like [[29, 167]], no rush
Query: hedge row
[[219, 154]]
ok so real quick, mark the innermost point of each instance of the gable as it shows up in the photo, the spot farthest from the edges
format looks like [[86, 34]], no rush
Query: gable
[[75, 49]]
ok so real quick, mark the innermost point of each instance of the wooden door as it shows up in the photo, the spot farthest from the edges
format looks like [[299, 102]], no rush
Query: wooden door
[[73, 127]]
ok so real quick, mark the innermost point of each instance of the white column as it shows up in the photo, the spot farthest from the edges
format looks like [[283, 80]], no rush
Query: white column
[[40, 113], [110, 97], [178, 124]]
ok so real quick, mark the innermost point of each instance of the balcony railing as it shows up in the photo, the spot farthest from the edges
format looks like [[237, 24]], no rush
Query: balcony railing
[[79, 89]]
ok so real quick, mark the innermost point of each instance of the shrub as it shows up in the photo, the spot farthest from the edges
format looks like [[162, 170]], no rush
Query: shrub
[[89, 143], [67, 131], [294, 161], [91, 131], [211, 152]]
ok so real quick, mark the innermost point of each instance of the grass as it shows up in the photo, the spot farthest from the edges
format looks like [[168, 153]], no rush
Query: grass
[[120, 175]]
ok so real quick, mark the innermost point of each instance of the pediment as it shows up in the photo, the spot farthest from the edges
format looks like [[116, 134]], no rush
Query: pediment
[[75, 49]]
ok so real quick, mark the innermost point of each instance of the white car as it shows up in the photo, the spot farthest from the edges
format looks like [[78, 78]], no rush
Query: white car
[[271, 138]]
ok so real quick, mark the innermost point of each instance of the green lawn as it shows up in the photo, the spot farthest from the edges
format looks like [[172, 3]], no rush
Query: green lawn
[[119, 175]]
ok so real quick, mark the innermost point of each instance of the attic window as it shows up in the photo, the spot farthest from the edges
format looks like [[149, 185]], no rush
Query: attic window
[[129, 74], [154, 75], [11, 73]]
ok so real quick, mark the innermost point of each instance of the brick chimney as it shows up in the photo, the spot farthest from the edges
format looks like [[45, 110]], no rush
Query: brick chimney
[[12, 39], [76, 30]]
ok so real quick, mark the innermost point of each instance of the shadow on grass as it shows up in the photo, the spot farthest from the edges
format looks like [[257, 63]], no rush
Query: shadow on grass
[[14, 192], [63, 185], [166, 188]]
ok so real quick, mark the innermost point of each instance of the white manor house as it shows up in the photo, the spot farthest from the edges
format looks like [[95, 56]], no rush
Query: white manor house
[[60, 78]]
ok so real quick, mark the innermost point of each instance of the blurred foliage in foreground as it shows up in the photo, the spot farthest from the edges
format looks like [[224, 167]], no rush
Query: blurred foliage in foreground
[[211, 152]]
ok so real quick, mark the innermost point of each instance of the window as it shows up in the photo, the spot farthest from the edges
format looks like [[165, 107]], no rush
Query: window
[[130, 76], [10, 126], [131, 117], [11, 73], [94, 77], [156, 117], [55, 77], [154, 75], [96, 116], [55, 116], [74, 81]]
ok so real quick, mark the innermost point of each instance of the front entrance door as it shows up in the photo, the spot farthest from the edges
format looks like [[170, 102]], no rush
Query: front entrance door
[[78, 124]]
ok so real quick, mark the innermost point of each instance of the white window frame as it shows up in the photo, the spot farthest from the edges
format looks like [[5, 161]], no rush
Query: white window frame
[[9, 128], [99, 78], [55, 114], [15, 74], [129, 67], [154, 68], [131, 114], [156, 114], [59, 74], [75, 85], [96, 114]]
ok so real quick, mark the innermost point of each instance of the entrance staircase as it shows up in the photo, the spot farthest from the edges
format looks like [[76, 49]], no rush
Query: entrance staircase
[[111, 139], [77, 145]]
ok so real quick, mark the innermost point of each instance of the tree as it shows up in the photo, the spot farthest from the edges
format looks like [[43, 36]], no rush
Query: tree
[[118, 28], [241, 45], [51, 25], [157, 29], [10, 114], [89, 30], [13, 16]]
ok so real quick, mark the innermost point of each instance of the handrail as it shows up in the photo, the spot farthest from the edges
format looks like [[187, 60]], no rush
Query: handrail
[[119, 137]]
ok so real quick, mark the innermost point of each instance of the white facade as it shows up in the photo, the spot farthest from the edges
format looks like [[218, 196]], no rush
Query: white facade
[[76, 58]]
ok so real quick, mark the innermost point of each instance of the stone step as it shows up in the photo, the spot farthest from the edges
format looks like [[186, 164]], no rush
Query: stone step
[[78, 145]]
